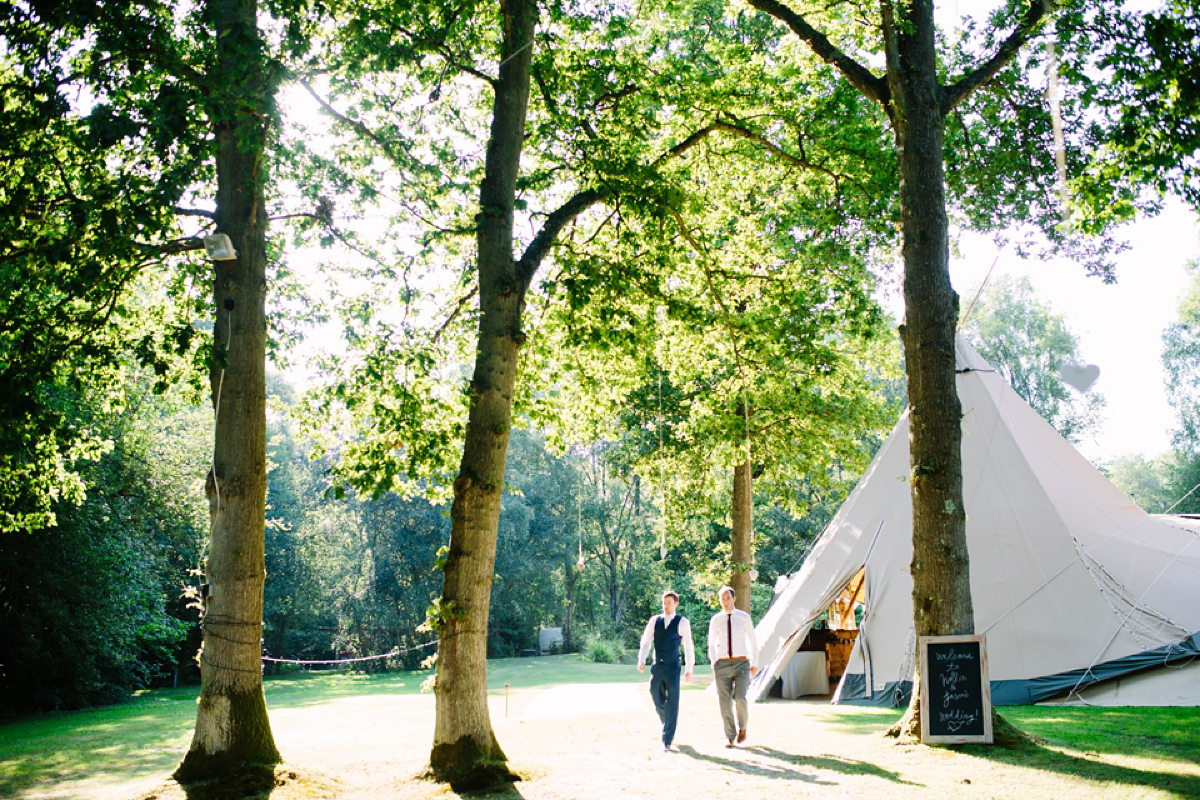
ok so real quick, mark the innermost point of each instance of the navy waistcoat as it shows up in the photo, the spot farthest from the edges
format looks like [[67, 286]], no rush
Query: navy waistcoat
[[666, 640]]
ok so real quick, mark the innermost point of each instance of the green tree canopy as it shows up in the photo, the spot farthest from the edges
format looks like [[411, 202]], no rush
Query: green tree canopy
[[97, 154], [1026, 341], [1149, 482], [1140, 84], [95, 607]]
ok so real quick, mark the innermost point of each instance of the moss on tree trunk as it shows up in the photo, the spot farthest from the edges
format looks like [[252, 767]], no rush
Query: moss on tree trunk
[[469, 766], [249, 742]]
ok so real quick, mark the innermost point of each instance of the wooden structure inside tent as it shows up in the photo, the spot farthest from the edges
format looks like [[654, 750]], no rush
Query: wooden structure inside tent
[[825, 650]]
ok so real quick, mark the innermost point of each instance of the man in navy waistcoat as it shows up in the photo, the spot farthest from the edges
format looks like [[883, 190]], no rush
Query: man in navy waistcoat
[[665, 632]]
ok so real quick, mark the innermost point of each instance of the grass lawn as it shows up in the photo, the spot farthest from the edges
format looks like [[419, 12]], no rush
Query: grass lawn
[[579, 730]]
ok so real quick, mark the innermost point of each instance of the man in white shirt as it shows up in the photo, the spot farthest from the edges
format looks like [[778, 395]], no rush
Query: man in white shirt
[[732, 650], [666, 631]]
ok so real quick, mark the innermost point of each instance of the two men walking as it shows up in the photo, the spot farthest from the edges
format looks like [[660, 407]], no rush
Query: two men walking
[[732, 650]]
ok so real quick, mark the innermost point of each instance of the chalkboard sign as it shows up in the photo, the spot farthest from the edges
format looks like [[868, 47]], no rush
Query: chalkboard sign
[[956, 699]]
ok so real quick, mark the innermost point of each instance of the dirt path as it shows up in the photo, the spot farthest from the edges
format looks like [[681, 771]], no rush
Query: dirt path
[[601, 741]]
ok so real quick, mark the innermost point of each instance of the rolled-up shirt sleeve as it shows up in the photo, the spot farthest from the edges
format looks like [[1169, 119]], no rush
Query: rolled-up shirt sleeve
[[689, 648], [751, 642]]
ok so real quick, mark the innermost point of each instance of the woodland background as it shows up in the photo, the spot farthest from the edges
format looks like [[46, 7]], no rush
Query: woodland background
[[749, 215], [102, 603]]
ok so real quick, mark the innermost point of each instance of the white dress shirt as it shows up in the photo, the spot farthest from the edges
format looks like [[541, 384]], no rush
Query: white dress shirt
[[685, 633], [743, 644]]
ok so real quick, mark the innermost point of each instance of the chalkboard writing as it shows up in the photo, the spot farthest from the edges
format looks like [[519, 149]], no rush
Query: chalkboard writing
[[956, 699]]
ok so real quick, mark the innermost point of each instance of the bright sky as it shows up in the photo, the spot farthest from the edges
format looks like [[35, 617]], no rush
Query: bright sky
[[1119, 325]]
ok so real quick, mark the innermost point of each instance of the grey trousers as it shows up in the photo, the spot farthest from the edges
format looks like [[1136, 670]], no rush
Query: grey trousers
[[733, 679]]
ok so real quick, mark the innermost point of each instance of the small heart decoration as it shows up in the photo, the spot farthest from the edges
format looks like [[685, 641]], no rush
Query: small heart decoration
[[1081, 378]]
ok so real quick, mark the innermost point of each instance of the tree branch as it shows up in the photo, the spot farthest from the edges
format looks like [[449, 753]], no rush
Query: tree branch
[[534, 254], [1028, 26], [438, 46], [611, 100], [357, 126], [859, 76], [458, 307], [758, 138], [531, 260], [172, 247], [687, 144], [195, 212]]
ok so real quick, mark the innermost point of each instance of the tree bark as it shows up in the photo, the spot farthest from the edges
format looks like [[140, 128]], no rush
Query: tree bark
[[940, 567], [465, 751], [232, 729], [742, 550]]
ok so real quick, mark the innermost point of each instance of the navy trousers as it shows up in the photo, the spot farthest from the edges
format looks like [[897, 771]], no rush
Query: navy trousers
[[664, 691]]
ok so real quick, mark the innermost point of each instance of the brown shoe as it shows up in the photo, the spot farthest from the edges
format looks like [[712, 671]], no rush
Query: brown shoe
[[741, 735], [729, 743]]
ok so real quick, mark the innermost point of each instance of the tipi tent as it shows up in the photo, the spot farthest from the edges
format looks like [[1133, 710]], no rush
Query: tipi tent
[[1081, 594]]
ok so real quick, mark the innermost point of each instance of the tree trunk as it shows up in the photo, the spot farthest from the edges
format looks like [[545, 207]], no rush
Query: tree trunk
[[917, 104], [940, 566], [611, 562], [465, 752], [622, 593], [232, 729], [572, 581], [742, 552]]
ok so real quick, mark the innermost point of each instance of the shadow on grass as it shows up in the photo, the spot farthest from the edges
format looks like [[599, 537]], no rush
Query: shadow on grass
[[93, 753], [1048, 759], [780, 772], [255, 782], [506, 791], [846, 766], [249, 783], [498, 791], [1159, 733]]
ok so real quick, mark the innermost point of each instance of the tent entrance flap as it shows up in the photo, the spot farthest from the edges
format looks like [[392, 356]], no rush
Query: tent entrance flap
[[815, 656]]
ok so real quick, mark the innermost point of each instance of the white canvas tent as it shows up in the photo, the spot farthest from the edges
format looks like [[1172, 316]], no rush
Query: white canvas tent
[[1082, 595]]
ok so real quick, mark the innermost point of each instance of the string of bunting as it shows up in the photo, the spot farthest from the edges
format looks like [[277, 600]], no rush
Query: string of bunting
[[394, 652]]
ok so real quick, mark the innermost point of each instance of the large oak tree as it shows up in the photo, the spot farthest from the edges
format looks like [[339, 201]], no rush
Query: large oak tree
[[911, 91], [232, 729], [162, 104], [602, 139]]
